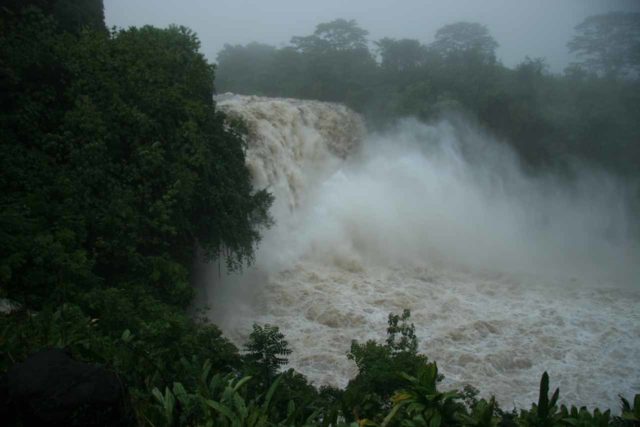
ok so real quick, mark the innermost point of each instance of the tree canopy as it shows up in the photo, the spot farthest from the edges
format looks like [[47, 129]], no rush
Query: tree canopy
[[115, 162], [69, 15], [340, 34], [609, 44], [244, 66], [464, 38], [401, 55]]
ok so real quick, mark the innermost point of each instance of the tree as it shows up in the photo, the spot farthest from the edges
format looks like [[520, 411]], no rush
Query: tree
[[380, 366], [609, 44], [401, 55], [420, 402], [339, 34], [266, 351], [115, 162], [401, 335], [70, 15], [467, 38], [246, 69], [337, 64]]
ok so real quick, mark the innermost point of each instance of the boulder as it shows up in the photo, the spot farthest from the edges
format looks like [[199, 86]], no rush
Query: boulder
[[50, 388]]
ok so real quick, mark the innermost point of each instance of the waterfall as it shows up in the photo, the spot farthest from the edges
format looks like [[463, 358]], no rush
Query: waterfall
[[506, 274], [293, 142]]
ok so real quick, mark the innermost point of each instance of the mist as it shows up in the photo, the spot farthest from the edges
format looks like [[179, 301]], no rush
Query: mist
[[535, 29], [447, 192], [497, 264]]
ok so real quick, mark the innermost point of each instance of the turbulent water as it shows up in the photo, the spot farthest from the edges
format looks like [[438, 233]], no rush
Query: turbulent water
[[506, 275]]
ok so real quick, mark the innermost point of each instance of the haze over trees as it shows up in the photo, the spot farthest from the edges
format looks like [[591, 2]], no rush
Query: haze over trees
[[465, 38], [609, 44], [587, 113]]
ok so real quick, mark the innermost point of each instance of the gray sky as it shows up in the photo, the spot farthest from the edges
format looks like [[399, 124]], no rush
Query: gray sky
[[537, 28]]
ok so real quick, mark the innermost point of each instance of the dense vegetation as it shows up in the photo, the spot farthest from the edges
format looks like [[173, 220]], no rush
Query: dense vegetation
[[117, 171], [591, 112]]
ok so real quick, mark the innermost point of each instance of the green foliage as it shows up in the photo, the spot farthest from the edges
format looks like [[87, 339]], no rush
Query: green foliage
[[266, 351], [146, 352], [70, 15], [223, 401], [117, 170], [421, 404], [545, 413], [332, 64], [177, 373], [609, 44], [337, 35], [483, 414], [24, 332], [381, 367], [116, 164], [245, 67], [583, 418], [630, 414], [461, 39], [401, 335], [401, 55], [217, 401]]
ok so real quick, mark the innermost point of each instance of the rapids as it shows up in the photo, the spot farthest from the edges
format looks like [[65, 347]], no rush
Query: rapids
[[506, 274]]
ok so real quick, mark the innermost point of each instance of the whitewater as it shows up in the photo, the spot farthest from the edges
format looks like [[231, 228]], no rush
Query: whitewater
[[506, 274]]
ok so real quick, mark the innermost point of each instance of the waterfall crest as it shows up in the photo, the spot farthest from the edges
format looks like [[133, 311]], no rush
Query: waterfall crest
[[291, 142]]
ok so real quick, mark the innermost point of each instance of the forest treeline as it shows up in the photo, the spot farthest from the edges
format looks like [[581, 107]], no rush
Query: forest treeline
[[116, 172], [590, 112]]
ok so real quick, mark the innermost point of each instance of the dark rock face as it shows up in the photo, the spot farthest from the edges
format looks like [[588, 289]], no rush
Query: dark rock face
[[50, 388]]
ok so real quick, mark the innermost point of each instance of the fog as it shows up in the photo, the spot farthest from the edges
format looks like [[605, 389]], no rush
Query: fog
[[506, 274], [537, 29], [448, 193]]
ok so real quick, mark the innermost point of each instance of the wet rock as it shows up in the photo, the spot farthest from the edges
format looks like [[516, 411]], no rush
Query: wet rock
[[52, 389]]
